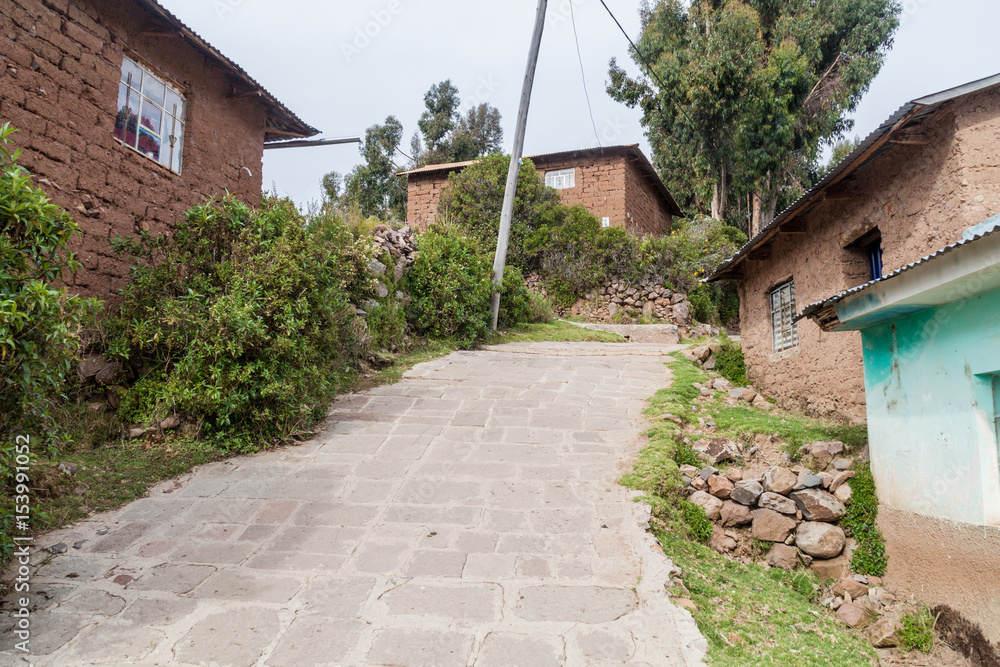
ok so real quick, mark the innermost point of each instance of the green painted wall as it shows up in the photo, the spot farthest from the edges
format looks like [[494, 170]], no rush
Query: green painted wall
[[931, 381]]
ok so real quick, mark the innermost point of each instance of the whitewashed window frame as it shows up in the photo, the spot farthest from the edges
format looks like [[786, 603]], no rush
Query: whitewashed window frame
[[150, 112], [784, 330], [561, 179]]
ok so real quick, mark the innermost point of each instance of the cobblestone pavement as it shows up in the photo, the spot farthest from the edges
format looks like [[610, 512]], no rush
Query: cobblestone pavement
[[468, 515]]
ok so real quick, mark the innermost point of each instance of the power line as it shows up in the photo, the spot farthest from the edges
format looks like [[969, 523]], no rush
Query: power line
[[649, 68], [583, 73]]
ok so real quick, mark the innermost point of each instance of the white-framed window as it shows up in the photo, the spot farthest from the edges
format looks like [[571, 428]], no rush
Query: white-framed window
[[561, 179], [784, 330], [150, 115], [605, 222]]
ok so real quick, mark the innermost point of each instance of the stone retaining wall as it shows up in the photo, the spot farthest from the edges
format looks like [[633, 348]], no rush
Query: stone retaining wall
[[627, 300]]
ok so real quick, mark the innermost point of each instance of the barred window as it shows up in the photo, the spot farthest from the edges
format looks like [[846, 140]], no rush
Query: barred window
[[561, 179], [783, 327], [150, 115]]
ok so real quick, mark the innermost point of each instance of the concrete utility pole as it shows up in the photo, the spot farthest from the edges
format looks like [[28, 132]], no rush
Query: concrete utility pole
[[500, 259]]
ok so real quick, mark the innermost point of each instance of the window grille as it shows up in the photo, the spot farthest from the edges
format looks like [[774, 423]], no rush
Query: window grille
[[785, 331], [150, 115]]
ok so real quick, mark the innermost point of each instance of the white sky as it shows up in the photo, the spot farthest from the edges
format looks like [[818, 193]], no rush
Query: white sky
[[310, 56]]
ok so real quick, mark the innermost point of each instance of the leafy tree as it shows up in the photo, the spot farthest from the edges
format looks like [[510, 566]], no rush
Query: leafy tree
[[332, 184], [478, 133], [447, 136], [841, 150], [473, 199], [752, 90], [440, 118], [374, 187]]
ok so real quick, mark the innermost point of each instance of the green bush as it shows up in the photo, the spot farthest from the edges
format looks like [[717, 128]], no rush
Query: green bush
[[575, 254], [240, 321], [730, 364], [39, 324], [473, 200], [918, 631], [451, 283], [861, 523]]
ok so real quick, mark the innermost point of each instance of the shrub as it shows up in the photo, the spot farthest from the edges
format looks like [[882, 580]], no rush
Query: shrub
[[39, 323], [240, 321], [473, 200], [575, 254], [861, 523], [730, 364], [451, 283], [918, 631]]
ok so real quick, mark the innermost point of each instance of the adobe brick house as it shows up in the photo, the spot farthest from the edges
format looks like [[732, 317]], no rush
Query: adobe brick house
[[616, 183], [127, 118], [914, 185]]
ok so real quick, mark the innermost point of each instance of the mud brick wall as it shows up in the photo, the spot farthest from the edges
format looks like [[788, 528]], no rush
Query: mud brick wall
[[921, 198], [600, 186], [423, 194], [646, 212], [61, 63]]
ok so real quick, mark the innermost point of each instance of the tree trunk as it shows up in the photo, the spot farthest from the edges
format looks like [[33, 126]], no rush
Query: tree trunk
[[755, 224]]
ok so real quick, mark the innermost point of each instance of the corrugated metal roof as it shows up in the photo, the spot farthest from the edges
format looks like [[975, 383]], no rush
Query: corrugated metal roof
[[862, 154], [819, 305], [633, 149], [293, 126]]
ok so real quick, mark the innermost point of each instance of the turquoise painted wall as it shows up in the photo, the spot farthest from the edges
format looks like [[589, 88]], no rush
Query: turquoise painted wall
[[930, 382]]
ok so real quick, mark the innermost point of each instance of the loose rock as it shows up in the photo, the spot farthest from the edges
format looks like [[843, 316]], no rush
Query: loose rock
[[817, 505], [780, 480], [720, 487], [711, 504], [771, 526], [735, 514], [778, 503], [746, 492], [854, 615], [783, 556], [820, 540]]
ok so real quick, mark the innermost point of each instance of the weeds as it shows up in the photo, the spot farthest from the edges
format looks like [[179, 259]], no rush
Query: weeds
[[861, 524], [918, 631]]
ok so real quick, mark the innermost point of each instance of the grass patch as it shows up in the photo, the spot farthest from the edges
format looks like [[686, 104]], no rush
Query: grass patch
[[918, 631], [861, 524], [555, 331], [754, 616], [730, 364], [750, 615]]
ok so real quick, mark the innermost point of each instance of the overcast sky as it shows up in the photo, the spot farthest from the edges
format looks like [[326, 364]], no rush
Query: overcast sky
[[344, 66]]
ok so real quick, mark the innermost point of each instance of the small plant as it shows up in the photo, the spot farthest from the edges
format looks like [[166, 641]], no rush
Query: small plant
[[860, 523], [730, 364], [699, 526], [918, 631]]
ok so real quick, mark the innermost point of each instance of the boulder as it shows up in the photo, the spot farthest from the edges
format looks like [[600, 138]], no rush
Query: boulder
[[716, 450], [612, 309], [734, 514], [746, 492], [91, 365], [711, 364], [834, 568], [823, 451], [840, 479], [682, 314], [807, 480], [376, 268], [771, 526], [818, 505], [743, 394], [734, 475], [762, 403], [776, 502], [842, 464], [884, 633], [722, 384], [720, 541], [780, 480], [820, 540], [701, 353], [854, 615], [852, 587], [720, 487], [709, 503], [783, 556], [844, 494], [109, 374]]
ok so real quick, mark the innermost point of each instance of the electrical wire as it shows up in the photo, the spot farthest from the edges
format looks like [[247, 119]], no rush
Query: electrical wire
[[649, 68], [583, 73]]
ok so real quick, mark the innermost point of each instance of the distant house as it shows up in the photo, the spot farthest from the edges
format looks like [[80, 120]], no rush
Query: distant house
[[616, 183], [931, 341], [127, 118], [914, 185]]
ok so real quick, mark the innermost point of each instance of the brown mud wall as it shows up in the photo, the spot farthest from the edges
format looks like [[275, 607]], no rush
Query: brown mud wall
[[921, 198], [62, 64]]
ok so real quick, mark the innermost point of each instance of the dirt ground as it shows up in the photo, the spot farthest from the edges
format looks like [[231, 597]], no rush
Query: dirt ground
[[941, 656]]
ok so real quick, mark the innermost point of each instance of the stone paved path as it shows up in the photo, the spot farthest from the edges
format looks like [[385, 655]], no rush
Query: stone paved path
[[468, 515]]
